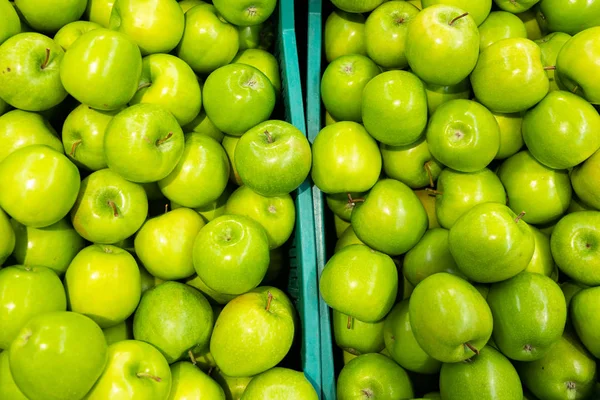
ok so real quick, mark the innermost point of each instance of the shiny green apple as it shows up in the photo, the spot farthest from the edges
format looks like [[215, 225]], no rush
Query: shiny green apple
[[50, 15], [516, 6], [551, 45], [344, 34], [280, 384], [119, 332], [585, 179], [412, 164], [440, 94], [239, 12], [511, 138], [542, 261], [500, 25], [99, 11], [233, 387], [68, 34], [355, 336], [12, 24], [8, 388], [212, 295], [568, 16], [264, 61], [189, 382], [202, 124], [585, 319]]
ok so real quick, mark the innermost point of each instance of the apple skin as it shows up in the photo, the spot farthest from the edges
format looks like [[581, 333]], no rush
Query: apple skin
[[366, 294], [208, 42], [50, 15], [239, 12], [342, 86], [562, 130], [201, 175], [568, 16], [347, 238], [213, 209], [357, 337], [341, 204], [542, 261], [68, 34], [478, 9], [233, 387], [428, 200], [509, 76], [187, 5], [212, 295], [8, 387], [463, 135], [11, 24], [156, 26], [511, 138], [261, 36], [202, 124], [30, 77], [439, 94], [273, 158], [134, 370], [119, 332], [516, 6], [586, 182], [93, 215], [38, 185], [46, 357], [357, 6], [99, 11], [280, 383], [189, 382], [108, 61], [575, 246], [394, 108], [500, 25], [264, 61], [345, 159], [432, 41], [551, 45], [254, 332], [585, 319], [229, 143], [344, 34]]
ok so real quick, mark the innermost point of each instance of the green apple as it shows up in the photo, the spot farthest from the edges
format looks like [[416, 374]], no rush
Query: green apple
[[385, 33], [428, 201], [54, 246], [488, 375], [208, 41], [342, 204], [8, 387], [238, 97], [233, 387], [490, 243], [175, 318], [11, 24], [280, 384], [119, 332], [7, 238], [500, 25], [342, 86], [391, 219], [189, 382], [400, 341], [229, 143], [440, 94], [355, 336], [68, 34], [511, 139], [186, 5], [442, 35], [578, 205], [273, 158], [394, 108], [169, 82], [24, 293], [570, 289], [569, 16], [38, 185], [463, 135], [478, 9], [562, 130], [46, 358], [99, 11], [30, 78], [344, 34], [155, 28], [103, 283], [509, 76], [340, 226], [50, 15], [134, 370], [373, 376], [584, 318], [516, 6], [264, 61], [551, 45], [83, 136], [347, 238], [458, 192], [345, 159], [242, 13], [449, 318], [260, 36], [102, 69], [542, 261], [360, 282], [212, 295], [254, 332], [109, 208], [585, 179], [534, 31], [575, 245], [202, 124]]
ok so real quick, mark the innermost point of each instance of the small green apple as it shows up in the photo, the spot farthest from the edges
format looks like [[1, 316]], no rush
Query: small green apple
[[11, 24], [344, 34], [585, 319], [212, 295], [511, 138], [568, 16], [242, 13], [478, 9], [585, 179], [50, 15], [500, 25], [264, 61], [189, 382], [68, 34], [99, 11], [8, 387], [280, 383], [355, 336], [551, 45], [440, 94], [202, 124], [119, 332]]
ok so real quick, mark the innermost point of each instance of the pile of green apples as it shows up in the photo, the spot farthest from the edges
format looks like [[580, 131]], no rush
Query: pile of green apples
[[461, 161], [145, 202]]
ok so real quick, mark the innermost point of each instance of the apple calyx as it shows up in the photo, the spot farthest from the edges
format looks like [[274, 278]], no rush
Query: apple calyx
[[427, 167], [269, 300], [368, 393], [147, 375], [74, 147], [350, 321], [550, 68], [457, 18], [571, 385], [520, 216], [45, 63], [192, 358], [114, 208], [163, 140], [269, 136], [472, 348], [252, 11]]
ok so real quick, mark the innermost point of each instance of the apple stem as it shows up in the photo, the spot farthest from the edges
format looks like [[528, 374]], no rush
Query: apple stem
[[147, 375], [144, 85], [434, 192], [521, 215], [550, 68], [457, 18], [210, 370], [574, 90], [349, 324], [45, 63], [166, 208], [74, 147], [114, 208], [354, 201], [161, 141], [427, 167], [192, 358], [472, 348], [270, 299], [269, 136]]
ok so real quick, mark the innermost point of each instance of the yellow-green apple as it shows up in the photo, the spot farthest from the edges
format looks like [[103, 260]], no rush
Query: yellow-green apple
[[233, 387], [360, 282], [273, 158], [119, 332], [542, 261], [562, 130], [411, 164], [264, 61], [8, 387], [68, 34], [175, 318], [551, 45], [50, 15], [463, 135], [11, 24], [440, 331], [442, 35], [46, 356], [208, 41], [585, 319], [229, 143], [511, 138], [29, 72], [109, 208], [156, 27], [568, 16], [99, 11], [212, 295], [254, 332], [355, 336], [134, 370], [478, 9], [7, 237], [238, 97], [189, 382], [289, 384], [357, 6], [500, 25], [259, 36], [509, 76], [534, 31], [340, 225], [344, 34], [440, 94], [109, 62], [213, 209], [202, 124], [394, 108], [342, 85], [186, 5], [516, 6], [38, 185], [585, 179], [490, 243], [427, 198], [570, 289]]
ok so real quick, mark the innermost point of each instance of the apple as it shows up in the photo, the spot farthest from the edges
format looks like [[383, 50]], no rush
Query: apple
[[237, 97], [259, 36], [562, 130], [500, 25], [568, 16], [534, 30], [99, 11], [551, 45], [264, 61], [357, 6], [208, 41], [68, 34], [119, 332], [478, 9], [442, 35], [585, 181], [511, 138], [50, 15], [109, 208], [340, 226], [289, 384], [342, 204], [29, 77], [212, 295], [463, 135], [233, 387], [201, 175], [202, 124], [440, 94], [46, 357], [344, 34], [155, 28], [427, 198], [345, 159], [516, 6], [239, 12], [8, 387], [585, 319], [11, 25], [273, 158], [190, 382], [509, 76], [357, 337], [102, 69], [134, 370], [542, 261], [229, 143], [186, 5]]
